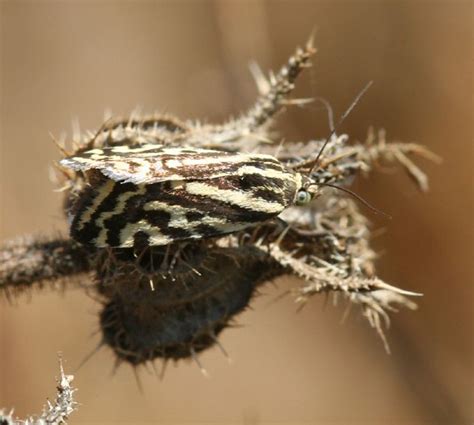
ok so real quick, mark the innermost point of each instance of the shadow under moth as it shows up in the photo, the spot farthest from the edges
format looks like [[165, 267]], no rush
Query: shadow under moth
[[174, 225]]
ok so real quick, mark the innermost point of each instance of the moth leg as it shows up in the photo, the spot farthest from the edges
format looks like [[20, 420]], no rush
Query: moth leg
[[281, 230]]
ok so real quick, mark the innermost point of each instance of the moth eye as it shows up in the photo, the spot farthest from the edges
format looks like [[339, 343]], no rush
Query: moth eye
[[303, 197]]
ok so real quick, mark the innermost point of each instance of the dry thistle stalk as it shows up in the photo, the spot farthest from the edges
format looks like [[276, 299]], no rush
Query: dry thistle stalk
[[178, 223], [55, 413]]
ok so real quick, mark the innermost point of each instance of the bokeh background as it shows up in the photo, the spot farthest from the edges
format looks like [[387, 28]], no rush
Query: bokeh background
[[67, 59]]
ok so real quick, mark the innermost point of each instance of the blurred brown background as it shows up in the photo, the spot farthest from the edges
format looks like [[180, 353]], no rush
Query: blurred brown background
[[61, 60]]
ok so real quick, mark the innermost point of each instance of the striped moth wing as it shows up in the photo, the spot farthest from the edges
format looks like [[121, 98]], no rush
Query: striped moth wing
[[153, 163], [165, 194]]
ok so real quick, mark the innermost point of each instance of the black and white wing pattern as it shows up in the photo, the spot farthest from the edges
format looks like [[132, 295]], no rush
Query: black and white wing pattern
[[163, 195], [154, 163]]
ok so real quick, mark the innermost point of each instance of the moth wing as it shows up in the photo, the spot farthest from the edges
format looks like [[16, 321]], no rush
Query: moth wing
[[114, 214], [155, 163]]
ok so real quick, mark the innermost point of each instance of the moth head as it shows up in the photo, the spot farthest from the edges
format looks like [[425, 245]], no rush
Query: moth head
[[311, 185], [306, 193]]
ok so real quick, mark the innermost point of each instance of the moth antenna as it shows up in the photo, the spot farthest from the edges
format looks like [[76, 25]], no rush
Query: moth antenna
[[339, 123], [358, 197], [313, 163]]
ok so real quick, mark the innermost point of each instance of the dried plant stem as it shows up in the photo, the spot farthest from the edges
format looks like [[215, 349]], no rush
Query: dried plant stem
[[28, 261], [55, 413]]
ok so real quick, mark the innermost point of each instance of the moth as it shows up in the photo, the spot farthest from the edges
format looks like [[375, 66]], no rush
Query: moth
[[158, 195], [151, 181]]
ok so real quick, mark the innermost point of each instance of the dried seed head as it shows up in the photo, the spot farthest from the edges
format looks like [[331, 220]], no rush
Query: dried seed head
[[187, 309]]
